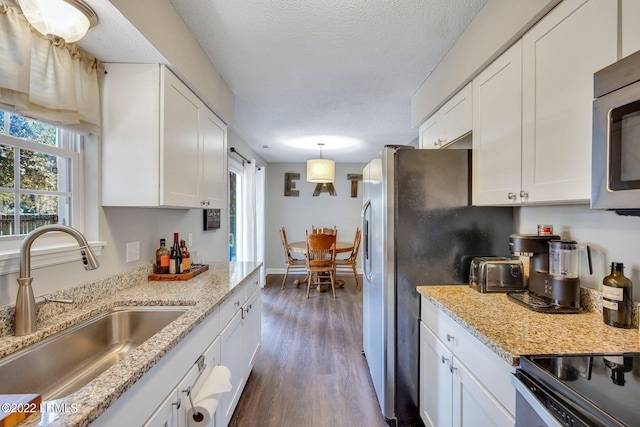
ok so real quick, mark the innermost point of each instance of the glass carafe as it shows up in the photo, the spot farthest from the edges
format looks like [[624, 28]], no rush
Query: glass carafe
[[563, 259]]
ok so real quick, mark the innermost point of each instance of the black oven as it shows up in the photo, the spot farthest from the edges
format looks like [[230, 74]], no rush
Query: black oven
[[615, 172], [593, 390]]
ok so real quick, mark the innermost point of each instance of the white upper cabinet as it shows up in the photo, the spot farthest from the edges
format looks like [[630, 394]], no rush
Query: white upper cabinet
[[630, 26], [430, 132], [161, 146], [559, 56], [532, 113], [497, 130], [452, 121]]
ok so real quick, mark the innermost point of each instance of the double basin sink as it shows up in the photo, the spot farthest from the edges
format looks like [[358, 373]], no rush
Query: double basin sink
[[63, 363]]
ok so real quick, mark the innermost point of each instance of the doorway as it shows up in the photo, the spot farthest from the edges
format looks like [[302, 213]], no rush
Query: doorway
[[236, 175]]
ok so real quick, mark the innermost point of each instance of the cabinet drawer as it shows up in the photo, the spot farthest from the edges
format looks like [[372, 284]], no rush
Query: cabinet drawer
[[252, 284], [231, 306], [492, 371]]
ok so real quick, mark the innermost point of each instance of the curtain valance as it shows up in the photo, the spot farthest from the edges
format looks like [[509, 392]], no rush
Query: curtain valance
[[56, 83]]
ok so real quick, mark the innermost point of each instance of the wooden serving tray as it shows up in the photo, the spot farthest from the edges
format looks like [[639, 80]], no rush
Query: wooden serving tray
[[154, 277]]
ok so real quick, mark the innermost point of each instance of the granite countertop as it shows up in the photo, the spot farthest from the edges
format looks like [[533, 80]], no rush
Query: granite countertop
[[203, 293], [511, 330]]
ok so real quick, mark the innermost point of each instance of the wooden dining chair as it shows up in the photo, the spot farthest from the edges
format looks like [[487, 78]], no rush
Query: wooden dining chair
[[293, 264], [321, 260], [348, 265], [324, 230]]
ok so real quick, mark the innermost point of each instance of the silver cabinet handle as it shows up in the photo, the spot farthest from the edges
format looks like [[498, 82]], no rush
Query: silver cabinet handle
[[450, 337], [524, 194], [444, 359], [177, 403], [511, 195], [451, 368]]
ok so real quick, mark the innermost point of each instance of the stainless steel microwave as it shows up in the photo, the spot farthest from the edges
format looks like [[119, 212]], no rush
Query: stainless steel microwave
[[615, 172]]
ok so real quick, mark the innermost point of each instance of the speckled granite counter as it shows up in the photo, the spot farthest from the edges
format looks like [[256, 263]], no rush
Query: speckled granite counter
[[204, 293], [511, 330]]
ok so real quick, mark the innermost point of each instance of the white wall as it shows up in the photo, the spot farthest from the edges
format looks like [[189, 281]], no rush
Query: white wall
[[610, 236], [298, 214]]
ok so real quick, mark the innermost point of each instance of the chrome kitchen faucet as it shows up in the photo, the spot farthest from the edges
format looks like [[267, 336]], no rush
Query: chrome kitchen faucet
[[26, 304]]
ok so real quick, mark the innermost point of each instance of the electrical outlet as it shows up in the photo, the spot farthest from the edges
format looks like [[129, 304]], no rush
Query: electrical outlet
[[190, 242], [133, 251]]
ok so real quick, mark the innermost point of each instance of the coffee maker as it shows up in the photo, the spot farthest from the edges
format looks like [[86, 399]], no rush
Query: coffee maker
[[554, 285]]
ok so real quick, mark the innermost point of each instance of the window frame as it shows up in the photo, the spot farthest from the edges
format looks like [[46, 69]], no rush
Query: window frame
[[50, 248]]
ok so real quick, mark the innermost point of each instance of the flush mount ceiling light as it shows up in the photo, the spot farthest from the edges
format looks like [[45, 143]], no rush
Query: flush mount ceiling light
[[321, 170], [67, 20]]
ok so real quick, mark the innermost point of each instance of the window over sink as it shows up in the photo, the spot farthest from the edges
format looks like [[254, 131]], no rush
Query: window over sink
[[39, 177], [40, 183]]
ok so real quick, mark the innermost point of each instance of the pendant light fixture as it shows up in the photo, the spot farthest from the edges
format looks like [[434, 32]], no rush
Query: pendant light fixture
[[60, 20], [321, 170]]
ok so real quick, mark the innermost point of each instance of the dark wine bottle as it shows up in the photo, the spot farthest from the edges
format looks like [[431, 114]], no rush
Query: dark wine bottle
[[162, 258], [175, 258], [617, 298]]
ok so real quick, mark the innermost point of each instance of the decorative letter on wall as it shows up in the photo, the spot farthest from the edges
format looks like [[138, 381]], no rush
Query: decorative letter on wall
[[324, 187], [354, 178], [289, 184]]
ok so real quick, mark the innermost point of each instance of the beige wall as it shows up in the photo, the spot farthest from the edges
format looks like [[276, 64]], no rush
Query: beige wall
[[298, 214]]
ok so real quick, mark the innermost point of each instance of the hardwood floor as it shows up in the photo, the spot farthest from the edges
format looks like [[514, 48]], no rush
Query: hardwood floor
[[310, 371]]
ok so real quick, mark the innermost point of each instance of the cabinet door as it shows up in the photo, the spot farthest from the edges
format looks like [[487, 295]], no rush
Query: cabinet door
[[560, 55], [473, 405], [214, 170], [180, 162], [435, 380], [630, 14], [430, 133], [497, 130], [457, 115], [231, 356], [167, 413], [252, 331]]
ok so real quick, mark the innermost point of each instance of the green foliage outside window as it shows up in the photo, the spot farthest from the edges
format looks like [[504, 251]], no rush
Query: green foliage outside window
[[36, 171]]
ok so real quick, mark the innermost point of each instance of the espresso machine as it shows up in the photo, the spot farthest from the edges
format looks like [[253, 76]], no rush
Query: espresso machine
[[554, 283]]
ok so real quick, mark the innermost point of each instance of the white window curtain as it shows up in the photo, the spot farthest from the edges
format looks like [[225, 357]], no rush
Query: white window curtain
[[260, 221], [247, 247], [58, 84]]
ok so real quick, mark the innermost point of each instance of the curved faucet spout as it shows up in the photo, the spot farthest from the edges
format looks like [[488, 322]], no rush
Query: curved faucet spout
[[25, 302]]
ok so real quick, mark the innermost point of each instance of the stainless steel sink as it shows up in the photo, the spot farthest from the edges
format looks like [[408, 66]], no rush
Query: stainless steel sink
[[63, 363]]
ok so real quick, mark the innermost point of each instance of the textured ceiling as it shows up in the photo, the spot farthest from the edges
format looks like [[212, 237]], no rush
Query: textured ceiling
[[307, 71]]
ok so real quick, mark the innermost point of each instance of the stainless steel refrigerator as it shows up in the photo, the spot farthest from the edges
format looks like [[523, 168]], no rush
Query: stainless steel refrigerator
[[418, 229]]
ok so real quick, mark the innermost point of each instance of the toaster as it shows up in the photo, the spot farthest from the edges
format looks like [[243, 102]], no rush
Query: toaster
[[496, 274]]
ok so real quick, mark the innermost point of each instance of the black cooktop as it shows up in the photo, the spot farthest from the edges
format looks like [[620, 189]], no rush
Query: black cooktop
[[607, 386]]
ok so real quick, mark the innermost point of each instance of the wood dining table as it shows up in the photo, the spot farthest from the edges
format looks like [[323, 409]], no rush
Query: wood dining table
[[301, 248]]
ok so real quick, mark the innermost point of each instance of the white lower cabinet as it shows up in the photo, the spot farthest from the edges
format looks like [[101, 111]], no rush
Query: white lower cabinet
[[436, 382], [229, 336], [473, 404], [174, 411], [231, 357], [462, 382], [240, 343]]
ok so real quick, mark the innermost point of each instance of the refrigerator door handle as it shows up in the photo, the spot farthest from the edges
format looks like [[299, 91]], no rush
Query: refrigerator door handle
[[367, 241]]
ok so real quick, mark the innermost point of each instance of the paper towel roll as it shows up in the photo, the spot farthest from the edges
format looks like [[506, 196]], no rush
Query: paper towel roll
[[206, 396], [205, 408]]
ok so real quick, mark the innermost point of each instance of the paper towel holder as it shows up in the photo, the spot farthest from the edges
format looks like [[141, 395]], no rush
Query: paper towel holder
[[197, 416]]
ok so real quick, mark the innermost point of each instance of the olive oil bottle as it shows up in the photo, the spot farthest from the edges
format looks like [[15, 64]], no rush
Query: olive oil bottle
[[617, 298]]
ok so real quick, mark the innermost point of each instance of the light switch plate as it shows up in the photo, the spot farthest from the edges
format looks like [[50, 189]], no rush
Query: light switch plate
[[133, 251]]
